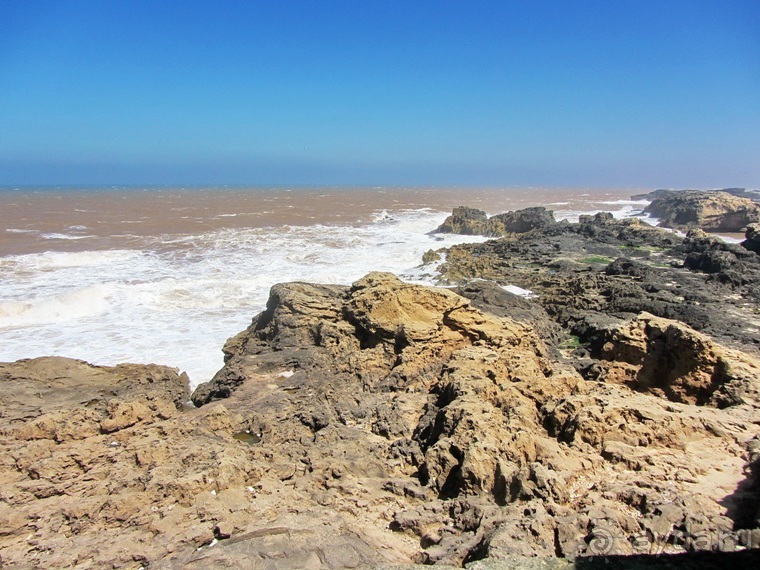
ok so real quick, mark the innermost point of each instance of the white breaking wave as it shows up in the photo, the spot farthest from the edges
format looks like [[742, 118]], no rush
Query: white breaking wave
[[179, 298], [515, 290], [63, 236], [57, 309], [642, 203]]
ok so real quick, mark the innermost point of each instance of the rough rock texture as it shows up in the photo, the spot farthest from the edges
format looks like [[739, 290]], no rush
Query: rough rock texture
[[710, 211], [724, 262], [384, 424], [470, 221], [671, 360], [83, 448], [603, 269], [491, 298], [101, 468], [488, 447]]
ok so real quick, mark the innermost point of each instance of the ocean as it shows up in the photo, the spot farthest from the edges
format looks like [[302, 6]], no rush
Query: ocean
[[166, 275]]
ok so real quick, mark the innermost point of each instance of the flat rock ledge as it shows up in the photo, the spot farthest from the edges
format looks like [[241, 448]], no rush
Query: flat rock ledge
[[382, 425]]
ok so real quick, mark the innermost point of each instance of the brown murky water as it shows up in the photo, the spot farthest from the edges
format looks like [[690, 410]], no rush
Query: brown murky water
[[36, 220]]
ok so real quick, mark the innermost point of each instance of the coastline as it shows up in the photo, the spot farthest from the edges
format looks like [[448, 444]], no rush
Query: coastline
[[389, 423]]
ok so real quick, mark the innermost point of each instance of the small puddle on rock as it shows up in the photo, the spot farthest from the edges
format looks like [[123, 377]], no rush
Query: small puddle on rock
[[247, 437]]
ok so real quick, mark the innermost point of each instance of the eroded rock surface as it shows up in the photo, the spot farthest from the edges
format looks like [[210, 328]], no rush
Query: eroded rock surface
[[488, 445], [381, 424]]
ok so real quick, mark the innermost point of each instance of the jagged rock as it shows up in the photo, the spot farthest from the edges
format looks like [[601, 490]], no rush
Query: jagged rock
[[710, 211], [489, 297], [465, 221], [522, 221], [619, 268], [430, 256], [105, 470], [725, 262], [630, 267], [474, 418]]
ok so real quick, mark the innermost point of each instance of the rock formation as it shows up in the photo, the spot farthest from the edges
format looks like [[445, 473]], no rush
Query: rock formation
[[741, 192], [470, 221], [602, 269], [490, 446], [710, 211]]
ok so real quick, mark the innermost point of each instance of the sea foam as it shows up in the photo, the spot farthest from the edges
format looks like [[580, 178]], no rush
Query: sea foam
[[177, 299]]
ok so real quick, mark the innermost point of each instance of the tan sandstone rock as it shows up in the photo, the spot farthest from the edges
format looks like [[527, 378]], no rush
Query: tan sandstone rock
[[379, 424]]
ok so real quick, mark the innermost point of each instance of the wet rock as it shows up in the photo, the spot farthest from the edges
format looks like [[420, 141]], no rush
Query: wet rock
[[724, 262], [619, 268], [430, 256], [630, 267], [465, 221], [522, 221]]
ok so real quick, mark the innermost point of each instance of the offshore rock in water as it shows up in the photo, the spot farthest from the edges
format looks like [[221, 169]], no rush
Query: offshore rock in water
[[417, 426], [710, 211], [470, 221]]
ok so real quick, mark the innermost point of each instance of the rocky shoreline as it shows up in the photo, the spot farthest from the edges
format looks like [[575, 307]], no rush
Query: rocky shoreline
[[612, 416]]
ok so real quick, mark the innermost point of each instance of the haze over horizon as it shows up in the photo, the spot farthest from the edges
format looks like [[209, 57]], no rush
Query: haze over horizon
[[632, 93]]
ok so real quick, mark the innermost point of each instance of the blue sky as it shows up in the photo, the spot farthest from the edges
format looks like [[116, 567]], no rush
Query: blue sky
[[571, 93]]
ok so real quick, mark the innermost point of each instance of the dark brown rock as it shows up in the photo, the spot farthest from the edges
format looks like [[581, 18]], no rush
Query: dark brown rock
[[752, 235]]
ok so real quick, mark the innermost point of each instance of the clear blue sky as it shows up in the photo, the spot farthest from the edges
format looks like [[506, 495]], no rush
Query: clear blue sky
[[601, 93]]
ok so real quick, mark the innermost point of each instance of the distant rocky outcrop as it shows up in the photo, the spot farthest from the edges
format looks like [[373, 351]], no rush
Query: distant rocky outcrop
[[710, 211], [471, 221], [662, 192]]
